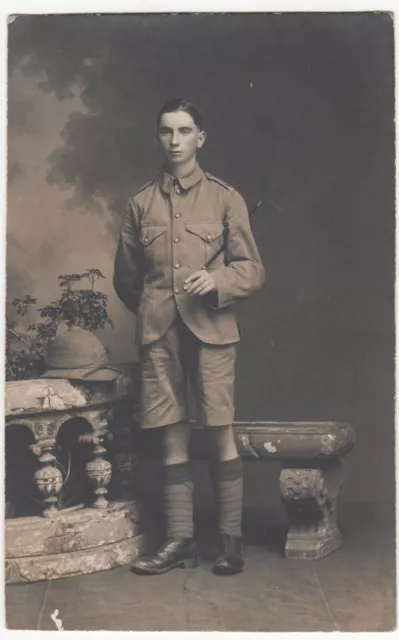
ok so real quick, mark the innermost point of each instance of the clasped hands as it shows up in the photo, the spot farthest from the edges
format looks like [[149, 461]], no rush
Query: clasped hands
[[199, 283]]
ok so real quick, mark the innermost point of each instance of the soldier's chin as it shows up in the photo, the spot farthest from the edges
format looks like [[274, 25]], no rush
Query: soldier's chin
[[176, 158]]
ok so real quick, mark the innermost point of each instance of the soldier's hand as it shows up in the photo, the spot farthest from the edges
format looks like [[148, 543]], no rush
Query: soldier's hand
[[199, 283]]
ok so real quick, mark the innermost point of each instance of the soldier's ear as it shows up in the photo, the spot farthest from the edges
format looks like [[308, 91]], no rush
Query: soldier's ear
[[201, 139]]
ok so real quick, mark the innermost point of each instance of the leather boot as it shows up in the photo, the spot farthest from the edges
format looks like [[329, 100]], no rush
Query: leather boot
[[230, 557], [174, 552]]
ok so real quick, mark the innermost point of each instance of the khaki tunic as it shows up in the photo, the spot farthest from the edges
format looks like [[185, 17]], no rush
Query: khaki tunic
[[170, 229]]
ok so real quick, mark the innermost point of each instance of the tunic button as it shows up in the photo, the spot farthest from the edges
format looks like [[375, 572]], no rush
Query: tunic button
[[176, 240], [177, 190], [177, 215], [177, 265], [146, 240], [177, 290], [209, 237]]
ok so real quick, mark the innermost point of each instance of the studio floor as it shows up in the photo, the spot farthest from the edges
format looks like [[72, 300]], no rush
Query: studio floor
[[353, 589]]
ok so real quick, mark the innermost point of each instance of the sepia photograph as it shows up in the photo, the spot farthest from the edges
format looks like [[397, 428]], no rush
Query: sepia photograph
[[200, 329]]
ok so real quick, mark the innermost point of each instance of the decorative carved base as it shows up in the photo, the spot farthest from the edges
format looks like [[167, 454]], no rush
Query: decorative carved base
[[310, 547], [75, 563], [310, 498], [72, 543]]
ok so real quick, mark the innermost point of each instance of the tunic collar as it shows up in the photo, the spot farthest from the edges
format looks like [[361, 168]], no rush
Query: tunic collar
[[166, 180]]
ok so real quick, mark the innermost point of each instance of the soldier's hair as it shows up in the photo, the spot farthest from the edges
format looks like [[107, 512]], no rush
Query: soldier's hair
[[177, 104]]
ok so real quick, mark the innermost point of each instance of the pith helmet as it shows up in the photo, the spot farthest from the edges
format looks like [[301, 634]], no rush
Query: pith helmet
[[77, 354]]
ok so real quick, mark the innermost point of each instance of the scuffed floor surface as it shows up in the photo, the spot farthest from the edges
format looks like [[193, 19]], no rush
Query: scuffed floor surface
[[353, 589]]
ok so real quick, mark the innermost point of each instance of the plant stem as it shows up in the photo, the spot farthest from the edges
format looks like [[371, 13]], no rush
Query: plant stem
[[9, 367], [30, 347], [18, 336]]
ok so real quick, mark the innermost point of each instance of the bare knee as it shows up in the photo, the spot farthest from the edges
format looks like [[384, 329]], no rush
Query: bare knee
[[175, 441], [222, 442]]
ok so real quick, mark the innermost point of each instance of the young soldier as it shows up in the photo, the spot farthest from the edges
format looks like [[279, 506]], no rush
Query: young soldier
[[186, 326]]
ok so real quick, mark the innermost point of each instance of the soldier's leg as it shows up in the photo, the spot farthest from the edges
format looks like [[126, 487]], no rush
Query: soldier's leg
[[163, 399], [178, 484], [215, 394], [225, 467]]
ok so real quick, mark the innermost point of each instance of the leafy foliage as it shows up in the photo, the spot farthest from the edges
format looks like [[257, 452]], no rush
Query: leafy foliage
[[85, 308]]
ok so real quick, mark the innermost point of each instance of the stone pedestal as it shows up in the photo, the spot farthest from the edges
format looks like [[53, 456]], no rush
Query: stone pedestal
[[86, 537]]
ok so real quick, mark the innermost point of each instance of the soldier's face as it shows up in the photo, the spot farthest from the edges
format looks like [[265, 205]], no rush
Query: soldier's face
[[179, 137]]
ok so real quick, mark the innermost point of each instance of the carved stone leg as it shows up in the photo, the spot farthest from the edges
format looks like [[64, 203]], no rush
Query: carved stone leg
[[99, 470], [48, 478], [310, 495]]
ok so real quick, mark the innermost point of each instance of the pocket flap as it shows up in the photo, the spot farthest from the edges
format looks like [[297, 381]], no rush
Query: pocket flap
[[148, 233], [206, 230]]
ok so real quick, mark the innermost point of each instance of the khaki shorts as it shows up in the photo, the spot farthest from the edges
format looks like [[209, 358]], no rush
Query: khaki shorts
[[174, 359]]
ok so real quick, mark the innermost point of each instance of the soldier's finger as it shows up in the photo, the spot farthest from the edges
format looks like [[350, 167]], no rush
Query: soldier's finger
[[196, 282], [190, 286], [193, 290], [194, 276]]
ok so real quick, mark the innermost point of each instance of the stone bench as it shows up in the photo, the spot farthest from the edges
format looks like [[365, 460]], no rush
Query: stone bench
[[310, 478]]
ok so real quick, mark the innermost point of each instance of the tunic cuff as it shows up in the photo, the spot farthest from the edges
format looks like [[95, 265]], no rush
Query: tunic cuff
[[222, 297]]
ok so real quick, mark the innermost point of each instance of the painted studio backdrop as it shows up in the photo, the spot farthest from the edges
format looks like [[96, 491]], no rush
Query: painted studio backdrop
[[298, 109]]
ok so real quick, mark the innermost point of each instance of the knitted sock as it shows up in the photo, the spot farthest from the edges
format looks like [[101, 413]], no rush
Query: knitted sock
[[178, 491], [227, 482]]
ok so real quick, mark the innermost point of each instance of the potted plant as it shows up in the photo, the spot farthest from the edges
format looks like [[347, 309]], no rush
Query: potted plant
[[77, 306]]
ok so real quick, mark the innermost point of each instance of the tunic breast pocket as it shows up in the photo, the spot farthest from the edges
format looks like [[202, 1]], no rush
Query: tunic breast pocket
[[203, 240], [153, 240]]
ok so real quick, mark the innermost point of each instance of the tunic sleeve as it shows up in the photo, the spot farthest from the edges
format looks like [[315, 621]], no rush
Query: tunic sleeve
[[244, 272], [128, 273]]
